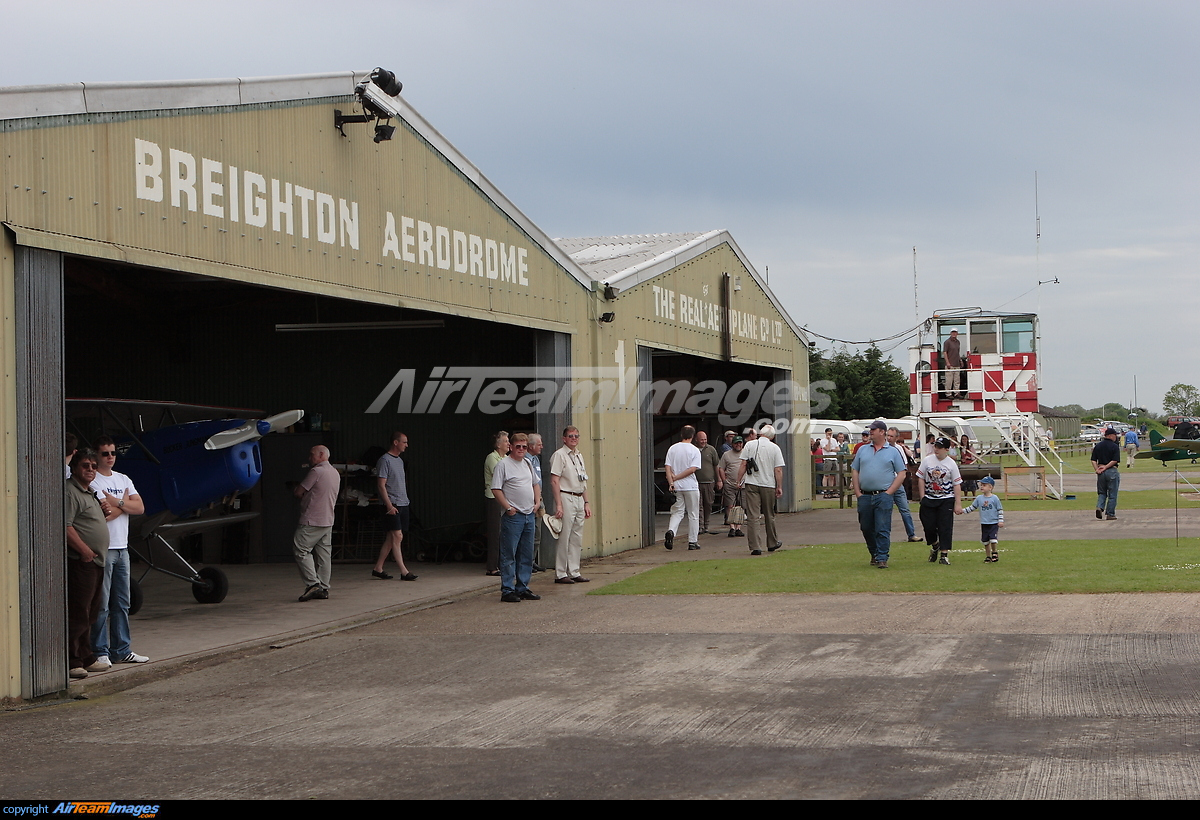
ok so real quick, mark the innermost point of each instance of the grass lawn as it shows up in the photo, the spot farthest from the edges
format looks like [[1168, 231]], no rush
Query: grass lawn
[[1126, 500], [1131, 565], [1163, 499]]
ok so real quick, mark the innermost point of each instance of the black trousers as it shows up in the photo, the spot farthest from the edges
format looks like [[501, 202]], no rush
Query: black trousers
[[937, 517]]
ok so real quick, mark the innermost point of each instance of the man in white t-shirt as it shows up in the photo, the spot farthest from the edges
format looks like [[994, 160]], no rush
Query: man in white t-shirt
[[682, 463], [939, 485], [518, 488], [762, 487], [110, 630]]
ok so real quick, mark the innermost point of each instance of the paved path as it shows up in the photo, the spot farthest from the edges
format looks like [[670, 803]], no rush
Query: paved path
[[878, 696]]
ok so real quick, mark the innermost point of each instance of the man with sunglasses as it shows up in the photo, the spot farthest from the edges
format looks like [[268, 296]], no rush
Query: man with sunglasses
[[518, 488], [110, 632], [87, 544]]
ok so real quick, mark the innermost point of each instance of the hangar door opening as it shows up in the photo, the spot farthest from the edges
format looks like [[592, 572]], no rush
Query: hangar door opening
[[713, 396], [359, 371]]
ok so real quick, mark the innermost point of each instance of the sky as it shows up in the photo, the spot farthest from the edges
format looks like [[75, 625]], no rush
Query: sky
[[830, 139]]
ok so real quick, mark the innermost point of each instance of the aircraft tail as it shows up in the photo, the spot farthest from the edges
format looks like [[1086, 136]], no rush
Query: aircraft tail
[[1155, 438]]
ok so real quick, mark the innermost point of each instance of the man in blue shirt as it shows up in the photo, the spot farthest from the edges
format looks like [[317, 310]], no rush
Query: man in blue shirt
[[1131, 445], [878, 472]]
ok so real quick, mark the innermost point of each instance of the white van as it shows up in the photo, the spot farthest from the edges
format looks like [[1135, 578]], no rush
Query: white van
[[906, 427], [852, 429]]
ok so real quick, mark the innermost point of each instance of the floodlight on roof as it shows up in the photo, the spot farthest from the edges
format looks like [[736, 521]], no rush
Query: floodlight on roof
[[377, 95]]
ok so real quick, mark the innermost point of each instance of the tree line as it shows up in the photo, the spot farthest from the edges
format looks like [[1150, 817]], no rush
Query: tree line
[[857, 385]]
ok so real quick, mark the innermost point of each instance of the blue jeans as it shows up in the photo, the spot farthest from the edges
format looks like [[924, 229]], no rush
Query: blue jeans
[[110, 630], [901, 498], [1107, 484], [875, 521], [516, 551]]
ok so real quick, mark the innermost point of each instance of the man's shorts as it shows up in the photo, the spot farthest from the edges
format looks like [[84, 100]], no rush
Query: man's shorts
[[399, 521]]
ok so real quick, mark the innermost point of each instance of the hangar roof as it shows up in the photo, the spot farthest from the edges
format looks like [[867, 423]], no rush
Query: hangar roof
[[625, 261], [27, 102]]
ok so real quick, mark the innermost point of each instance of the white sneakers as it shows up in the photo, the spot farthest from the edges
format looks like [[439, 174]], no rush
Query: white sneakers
[[101, 664]]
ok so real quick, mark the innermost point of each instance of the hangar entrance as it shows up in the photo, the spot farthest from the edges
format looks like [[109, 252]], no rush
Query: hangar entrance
[[711, 395], [358, 370], [92, 328]]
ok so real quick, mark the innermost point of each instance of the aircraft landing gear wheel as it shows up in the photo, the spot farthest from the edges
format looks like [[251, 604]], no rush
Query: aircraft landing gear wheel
[[135, 596], [213, 588]]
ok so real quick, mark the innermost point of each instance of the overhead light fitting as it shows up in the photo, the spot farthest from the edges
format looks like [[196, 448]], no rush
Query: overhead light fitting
[[377, 95], [610, 292], [607, 318]]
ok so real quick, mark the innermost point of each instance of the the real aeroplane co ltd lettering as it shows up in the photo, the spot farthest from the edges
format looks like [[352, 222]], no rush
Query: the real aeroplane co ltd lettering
[[224, 191], [700, 313]]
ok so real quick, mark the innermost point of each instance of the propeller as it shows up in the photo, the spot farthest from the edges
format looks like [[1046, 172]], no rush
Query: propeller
[[253, 430]]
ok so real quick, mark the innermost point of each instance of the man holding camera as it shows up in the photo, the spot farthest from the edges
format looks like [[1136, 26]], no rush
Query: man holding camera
[[761, 475]]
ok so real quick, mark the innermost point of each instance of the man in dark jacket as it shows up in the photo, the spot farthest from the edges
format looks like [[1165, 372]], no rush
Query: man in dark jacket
[[1106, 456]]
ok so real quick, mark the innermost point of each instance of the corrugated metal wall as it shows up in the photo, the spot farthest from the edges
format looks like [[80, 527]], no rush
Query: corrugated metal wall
[[40, 545]]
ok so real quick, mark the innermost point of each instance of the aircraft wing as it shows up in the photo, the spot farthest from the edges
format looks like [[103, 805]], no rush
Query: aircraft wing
[[1192, 445], [1167, 445]]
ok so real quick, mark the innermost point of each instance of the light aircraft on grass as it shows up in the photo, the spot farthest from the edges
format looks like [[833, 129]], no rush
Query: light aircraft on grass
[[1185, 444]]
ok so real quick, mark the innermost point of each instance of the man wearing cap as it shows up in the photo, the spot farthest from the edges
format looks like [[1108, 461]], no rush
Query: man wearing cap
[[729, 468], [951, 350], [878, 470], [939, 487], [866, 439], [1106, 456]]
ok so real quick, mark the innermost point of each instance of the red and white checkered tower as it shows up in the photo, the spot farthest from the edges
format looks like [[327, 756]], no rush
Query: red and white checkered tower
[[999, 364]]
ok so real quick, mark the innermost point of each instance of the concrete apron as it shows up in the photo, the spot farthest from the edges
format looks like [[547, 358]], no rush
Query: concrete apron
[[262, 611]]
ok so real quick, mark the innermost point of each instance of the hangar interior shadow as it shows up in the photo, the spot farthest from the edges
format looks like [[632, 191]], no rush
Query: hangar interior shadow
[[671, 366], [161, 335]]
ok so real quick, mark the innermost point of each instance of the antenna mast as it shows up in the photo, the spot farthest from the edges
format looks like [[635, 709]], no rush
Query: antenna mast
[[1037, 226], [916, 307]]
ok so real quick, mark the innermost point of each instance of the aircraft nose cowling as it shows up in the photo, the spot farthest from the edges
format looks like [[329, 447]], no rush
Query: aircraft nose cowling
[[244, 464]]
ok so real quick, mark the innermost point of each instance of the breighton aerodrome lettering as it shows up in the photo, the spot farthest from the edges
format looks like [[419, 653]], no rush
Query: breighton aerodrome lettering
[[222, 191]]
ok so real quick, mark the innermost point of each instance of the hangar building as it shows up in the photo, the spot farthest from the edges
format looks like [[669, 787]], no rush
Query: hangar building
[[225, 243]]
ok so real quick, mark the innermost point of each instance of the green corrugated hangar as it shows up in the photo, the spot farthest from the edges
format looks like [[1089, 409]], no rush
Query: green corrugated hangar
[[249, 243]]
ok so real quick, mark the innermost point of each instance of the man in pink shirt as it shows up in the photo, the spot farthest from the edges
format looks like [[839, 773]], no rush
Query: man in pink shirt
[[313, 541]]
